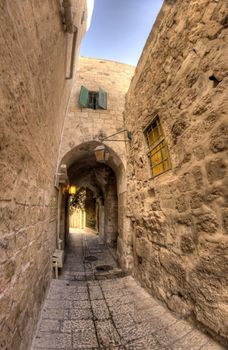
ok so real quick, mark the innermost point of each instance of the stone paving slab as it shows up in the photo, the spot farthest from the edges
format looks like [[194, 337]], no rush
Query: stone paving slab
[[101, 311], [107, 334], [53, 340], [194, 339], [84, 339], [71, 326]]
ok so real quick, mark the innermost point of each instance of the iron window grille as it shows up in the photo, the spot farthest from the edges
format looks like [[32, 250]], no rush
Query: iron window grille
[[158, 153]]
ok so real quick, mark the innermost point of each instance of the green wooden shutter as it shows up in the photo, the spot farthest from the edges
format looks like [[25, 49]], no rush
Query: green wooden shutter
[[102, 99], [84, 97]]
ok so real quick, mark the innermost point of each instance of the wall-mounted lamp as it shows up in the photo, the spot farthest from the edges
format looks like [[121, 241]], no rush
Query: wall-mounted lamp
[[72, 190], [101, 154], [129, 136]]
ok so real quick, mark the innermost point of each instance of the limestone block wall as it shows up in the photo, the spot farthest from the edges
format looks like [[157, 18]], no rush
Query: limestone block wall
[[111, 211], [90, 209], [34, 58], [85, 124], [179, 219]]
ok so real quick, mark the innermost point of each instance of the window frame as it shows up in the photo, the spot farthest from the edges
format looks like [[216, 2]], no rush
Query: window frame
[[91, 99], [150, 145]]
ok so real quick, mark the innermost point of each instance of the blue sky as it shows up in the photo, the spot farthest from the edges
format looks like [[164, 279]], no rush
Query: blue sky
[[119, 29]]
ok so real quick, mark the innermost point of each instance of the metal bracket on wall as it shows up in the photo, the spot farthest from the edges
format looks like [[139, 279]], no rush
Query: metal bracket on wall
[[129, 136]]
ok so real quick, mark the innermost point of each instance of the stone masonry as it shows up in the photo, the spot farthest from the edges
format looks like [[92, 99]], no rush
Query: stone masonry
[[85, 124], [34, 61], [91, 309], [179, 218], [172, 229]]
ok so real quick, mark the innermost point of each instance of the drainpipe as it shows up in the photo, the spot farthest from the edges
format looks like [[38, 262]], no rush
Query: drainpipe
[[72, 29]]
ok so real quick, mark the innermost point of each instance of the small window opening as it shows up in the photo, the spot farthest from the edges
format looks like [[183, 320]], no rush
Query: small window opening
[[93, 99], [158, 153]]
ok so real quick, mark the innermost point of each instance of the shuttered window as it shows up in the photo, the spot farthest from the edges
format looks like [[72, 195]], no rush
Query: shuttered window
[[102, 99], [92, 99], [158, 152], [84, 97]]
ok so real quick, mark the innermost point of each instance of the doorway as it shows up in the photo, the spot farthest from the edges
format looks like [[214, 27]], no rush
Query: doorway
[[82, 210]]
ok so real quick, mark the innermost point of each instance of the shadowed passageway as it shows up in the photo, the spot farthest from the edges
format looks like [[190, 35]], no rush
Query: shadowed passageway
[[94, 306], [138, 154]]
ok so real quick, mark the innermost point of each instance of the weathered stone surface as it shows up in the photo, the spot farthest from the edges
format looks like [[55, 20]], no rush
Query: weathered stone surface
[[86, 124], [186, 61], [219, 139], [178, 128], [225, 220], [210, 294], [207, 223], [34, 60], [196, 200], [125, 317], [82, 129], [187, 244], [182, 204], [173, 237], [216, 170]]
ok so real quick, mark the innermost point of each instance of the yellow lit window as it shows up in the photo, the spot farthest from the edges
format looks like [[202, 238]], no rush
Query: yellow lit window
[[158, 152]]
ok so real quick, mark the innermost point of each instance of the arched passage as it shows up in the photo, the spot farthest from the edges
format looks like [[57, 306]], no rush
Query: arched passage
[[106, 181]]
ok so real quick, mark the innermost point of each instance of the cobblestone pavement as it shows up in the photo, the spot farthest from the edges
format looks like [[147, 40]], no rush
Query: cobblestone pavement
[[90, 308]]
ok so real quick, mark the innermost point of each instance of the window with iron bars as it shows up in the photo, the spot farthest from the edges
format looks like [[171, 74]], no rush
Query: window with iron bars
[[158, 153]]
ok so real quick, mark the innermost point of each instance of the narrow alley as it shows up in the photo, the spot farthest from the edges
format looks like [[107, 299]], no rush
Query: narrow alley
[[94, 306], [113, 174]]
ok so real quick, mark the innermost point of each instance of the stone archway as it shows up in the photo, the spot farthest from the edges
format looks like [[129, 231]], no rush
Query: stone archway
[[108, 184]]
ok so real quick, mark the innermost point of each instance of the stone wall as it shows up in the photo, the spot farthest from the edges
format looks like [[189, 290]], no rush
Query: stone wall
[[111, 210], [90, 209], [86, 124], [83, 126], [179, 219], [34, 60]]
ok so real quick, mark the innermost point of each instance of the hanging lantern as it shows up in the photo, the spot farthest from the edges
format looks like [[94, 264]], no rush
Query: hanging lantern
[[72, 190], [101, 154]]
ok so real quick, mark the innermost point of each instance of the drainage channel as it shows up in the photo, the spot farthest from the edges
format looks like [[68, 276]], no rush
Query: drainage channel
[[104, 268]]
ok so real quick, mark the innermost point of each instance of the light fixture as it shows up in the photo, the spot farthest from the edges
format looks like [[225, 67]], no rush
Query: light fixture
[[101, 154], [72, 190], [129, 136]]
